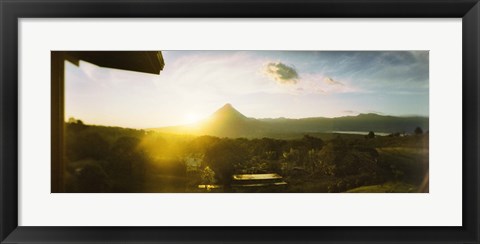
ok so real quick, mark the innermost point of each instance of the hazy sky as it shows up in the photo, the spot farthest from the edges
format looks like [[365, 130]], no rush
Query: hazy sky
[[260, 84]]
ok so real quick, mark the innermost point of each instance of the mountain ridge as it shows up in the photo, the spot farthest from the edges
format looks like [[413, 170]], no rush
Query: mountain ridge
[[229, 122]]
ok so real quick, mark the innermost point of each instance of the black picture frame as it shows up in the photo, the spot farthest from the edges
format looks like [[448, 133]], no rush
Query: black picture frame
[[11, 11]]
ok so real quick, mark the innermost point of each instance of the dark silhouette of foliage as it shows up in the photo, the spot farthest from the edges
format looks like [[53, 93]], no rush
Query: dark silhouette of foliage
[[87, 145], [311, 142], [418, 131], [91, 178], [127, 163], [113, 159], [222, 157]]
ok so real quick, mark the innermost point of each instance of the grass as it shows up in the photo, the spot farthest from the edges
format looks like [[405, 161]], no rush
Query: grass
[[389, 187]]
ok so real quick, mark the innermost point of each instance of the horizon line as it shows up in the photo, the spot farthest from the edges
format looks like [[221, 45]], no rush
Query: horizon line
[[271, 118]]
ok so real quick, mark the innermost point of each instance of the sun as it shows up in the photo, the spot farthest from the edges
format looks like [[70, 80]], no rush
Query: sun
[[191, 118]]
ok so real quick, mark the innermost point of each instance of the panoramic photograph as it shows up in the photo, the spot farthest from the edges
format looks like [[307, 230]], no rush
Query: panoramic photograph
[[244, 122]]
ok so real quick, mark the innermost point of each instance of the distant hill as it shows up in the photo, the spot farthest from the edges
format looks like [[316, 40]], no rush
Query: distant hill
[[229, 122]]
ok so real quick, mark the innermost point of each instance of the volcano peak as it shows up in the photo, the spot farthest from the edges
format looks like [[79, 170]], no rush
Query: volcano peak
[[227, 111]]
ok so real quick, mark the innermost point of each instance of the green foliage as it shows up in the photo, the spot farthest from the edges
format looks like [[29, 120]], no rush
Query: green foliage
[[222, 158], [208, 176], [113, 159], [87, 145], [90, 178], [389, 187]]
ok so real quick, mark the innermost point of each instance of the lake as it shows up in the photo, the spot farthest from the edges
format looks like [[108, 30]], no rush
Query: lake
[[361, 133]]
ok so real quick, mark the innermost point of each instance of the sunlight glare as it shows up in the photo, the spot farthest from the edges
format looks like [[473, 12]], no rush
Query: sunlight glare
[[191, 118]]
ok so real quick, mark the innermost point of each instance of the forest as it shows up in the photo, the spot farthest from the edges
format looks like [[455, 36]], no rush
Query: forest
[[121, 160]]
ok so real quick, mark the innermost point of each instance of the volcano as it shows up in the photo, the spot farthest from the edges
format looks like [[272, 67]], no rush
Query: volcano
[[228, 113], [225, 122], [229, 122]]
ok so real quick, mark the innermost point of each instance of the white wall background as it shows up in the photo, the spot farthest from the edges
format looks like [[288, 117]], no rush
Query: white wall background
[[441, 207]]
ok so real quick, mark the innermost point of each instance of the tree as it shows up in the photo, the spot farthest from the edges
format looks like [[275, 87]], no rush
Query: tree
[[418, 131], [292, 157], [127, 164], [91, 178], [86, 145], [222, 156], [72, 120], [311, 142], [328, 159], [370, 135], [313, 159], [208, 176]]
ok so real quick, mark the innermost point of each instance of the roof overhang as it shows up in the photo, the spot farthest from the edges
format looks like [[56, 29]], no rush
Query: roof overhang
[[141, 61]]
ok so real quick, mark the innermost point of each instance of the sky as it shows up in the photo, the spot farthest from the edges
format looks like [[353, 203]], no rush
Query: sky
[[259, 84]]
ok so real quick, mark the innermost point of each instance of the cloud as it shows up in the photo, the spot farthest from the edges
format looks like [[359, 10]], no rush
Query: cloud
[[350, 111], [375, 112], [309, 83], [320, 84], [281, 73], [212, 75], [375, 71], [332, 82]]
